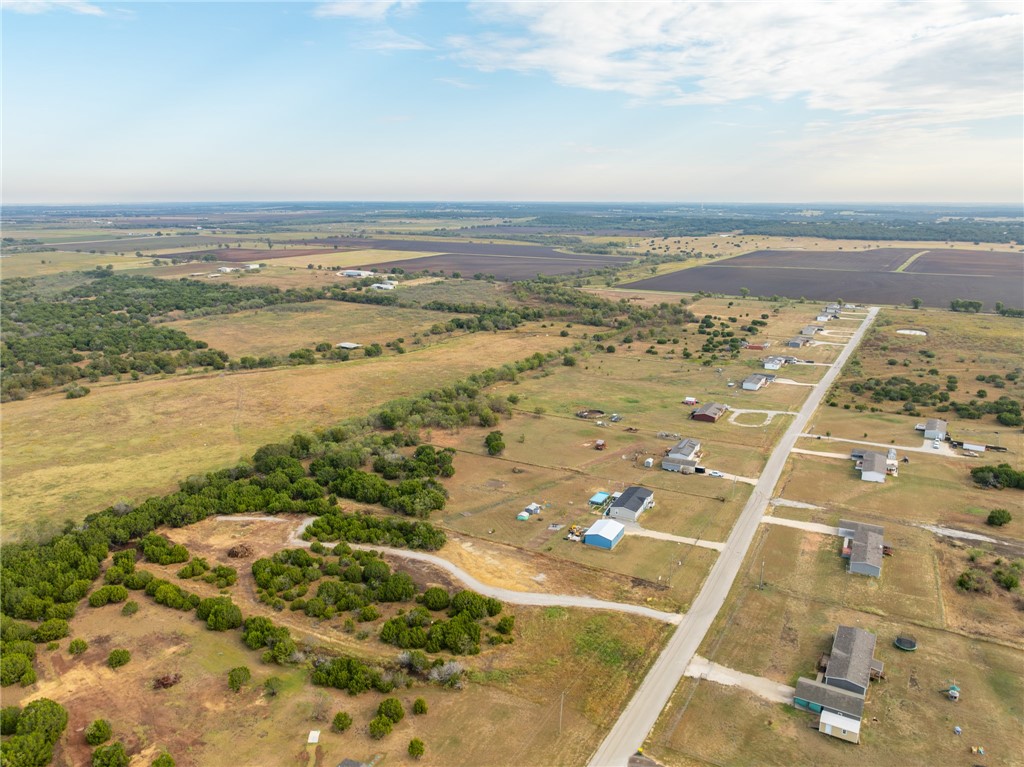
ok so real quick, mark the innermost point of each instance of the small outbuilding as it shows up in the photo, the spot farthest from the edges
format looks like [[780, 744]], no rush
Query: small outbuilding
[[797, 342], [599, 498], [348, 345], [522, 516], [533, 508], [604, 534]]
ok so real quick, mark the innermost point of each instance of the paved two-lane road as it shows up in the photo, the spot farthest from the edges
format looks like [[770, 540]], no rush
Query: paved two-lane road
[[631, 729]]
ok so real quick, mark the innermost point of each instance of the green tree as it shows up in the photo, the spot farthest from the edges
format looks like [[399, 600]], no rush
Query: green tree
[[380, 726], [110, 756], [98, 732], [416, 748], [77, 646], [341, 722], [164, 760], [118, 658], [130, 608], [419, 706], [744, 292], [436, 598], [9, 719], [273, 686], [495, 443], [392, 709], [916, 303], [237, 677], [999, 517], [506, 624], [569, 361]]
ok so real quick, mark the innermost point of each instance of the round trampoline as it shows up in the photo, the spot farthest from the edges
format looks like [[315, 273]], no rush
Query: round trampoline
[[906, 643]]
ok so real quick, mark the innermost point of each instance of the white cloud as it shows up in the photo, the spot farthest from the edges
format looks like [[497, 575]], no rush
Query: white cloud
[[372, 10], [45, 6], [457, 83], [942, 61], [390, 40]]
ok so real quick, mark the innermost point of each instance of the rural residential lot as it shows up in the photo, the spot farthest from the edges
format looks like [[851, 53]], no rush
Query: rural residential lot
[[588, 377]]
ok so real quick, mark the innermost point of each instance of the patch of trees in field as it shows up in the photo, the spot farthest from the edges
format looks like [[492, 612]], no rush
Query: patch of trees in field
[[378, 531], [1002, 475], [459, 635], [107, 324], [30, 733]]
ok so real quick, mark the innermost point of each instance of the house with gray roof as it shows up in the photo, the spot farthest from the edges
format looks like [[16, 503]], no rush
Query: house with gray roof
[[863, 545], [873, 467], [851, 663], [631, 503], [683, 457], [710, 412], [818, 696]]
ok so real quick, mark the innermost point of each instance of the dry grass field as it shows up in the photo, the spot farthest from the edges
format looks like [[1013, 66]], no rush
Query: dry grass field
[[284, 328], [928, 490], [130, 440]]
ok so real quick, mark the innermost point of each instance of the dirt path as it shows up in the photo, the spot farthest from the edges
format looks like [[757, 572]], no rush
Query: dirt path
[[635, 529], [812, 527], [702, 668], [506, 595], [803, 451], [794, 504]]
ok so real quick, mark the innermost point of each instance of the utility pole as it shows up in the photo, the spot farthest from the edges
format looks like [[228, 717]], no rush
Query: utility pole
[[760, 584]]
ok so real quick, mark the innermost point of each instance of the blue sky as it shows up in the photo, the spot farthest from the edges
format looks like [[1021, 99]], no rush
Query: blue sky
[[777, 102]]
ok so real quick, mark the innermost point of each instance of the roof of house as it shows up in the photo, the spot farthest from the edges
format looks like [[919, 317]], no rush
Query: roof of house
[[797, 340], [857, 527], [852, 655], [832, 697], [633, 498], [599, 497], [713, 409], [935, 423], [873, 461], [866, 549], [685, 449], [606, 528]]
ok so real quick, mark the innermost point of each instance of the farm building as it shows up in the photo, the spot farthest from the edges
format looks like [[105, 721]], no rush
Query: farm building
[[690, 401], [839, 726], [710, 412], [682, 457], [598, 499], [810, 330], [851, 664], [797, 342], [631, 503], [933, 428], [253, 267], [605, 534], [533, 508], [356, 273], [227, 269], [873, 467], [348, 345], [757, 381], [757, 346], [824, 317], [863, 545], [383, 286]]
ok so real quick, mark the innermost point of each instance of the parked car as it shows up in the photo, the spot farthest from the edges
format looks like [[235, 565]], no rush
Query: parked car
[[715, 474]]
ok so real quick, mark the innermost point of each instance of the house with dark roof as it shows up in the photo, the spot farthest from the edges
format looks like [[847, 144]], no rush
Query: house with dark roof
[[683, 457], [797, 342], [851, 664], [810, 330], [838, 696], [863, 545], [631, 503], [710, 412], [756, 381]]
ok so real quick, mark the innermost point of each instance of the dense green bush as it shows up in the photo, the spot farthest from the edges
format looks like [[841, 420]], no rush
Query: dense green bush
[[392, 709], [113, 755], [98, 732], [237, 677], [999, 517], [118, 658], [341, 722], [419, 706], [77, 646], [380, 726]]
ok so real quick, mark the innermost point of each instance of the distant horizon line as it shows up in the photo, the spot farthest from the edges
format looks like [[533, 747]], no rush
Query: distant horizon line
[[947, 203]]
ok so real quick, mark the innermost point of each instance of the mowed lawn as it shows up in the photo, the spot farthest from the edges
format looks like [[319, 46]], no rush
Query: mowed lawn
[[64, 458], [285, 328]]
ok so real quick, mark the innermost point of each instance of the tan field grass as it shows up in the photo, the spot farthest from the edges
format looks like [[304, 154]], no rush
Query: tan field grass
[[283, 329], [127, 441]]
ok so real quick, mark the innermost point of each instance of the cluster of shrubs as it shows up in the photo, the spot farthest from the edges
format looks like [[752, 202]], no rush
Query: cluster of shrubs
[[222, 576], [460, 634], [378, 531], [31, 732]]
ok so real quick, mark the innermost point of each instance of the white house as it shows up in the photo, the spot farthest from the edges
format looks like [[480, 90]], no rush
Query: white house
[[356, 273], [774, 363], [383, 286], [872, 467], [683, 457], [935, 428], [253, 267], [757, 381], [631, 503], [348, 345], [227, 269]]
